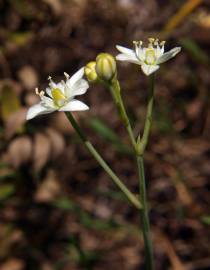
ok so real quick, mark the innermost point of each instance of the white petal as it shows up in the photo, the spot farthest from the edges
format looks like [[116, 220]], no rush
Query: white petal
[[47, 102], [149, 69], [128, 58], [52, 84], [61, 86], [125, 50], [158, 51], [37, 109], [168, 55], [141, 54], [76, 77], [48, 91], [79, 88], [74, 105]]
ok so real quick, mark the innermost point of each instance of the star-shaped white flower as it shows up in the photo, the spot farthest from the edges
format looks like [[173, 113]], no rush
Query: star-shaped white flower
[[150, 57], [60, 96]]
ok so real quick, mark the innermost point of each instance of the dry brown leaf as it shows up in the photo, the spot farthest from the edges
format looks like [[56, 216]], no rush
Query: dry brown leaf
[[47, 266], [163, 241], [9, 101], [31, 99], [191, 148], [194, 108], [181, 14], [202, 18], [55, 5], [49, 189], [60, 122], [17, 88], [8, 238], [57, 142], [183, 193], [28, 76], [19, 151], [15, 122], [41, 151], [102, 211], [13, 264]]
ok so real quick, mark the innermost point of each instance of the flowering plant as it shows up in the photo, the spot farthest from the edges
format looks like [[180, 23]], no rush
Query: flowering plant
[[61, 97]]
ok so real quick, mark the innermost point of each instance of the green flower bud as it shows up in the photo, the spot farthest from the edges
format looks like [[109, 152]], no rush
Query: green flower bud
[[105, 66], [90, 71]]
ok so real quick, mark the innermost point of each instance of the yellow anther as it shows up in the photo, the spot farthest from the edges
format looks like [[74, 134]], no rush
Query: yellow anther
[[151, 40], [37, 91], [162, 43], [66, 75], [156, 42], [41, 93]]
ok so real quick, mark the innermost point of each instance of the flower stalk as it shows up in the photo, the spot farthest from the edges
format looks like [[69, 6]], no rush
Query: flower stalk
[[148, 122], [149, 261], [139, 146], [116, 94], [128, 194], [141, 173]]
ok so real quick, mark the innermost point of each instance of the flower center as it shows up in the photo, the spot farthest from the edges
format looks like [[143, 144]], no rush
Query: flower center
[[151, 53], [150, 56], [58, 97]]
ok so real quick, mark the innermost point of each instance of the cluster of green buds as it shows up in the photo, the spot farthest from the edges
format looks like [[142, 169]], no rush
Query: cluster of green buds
[[104, 68]]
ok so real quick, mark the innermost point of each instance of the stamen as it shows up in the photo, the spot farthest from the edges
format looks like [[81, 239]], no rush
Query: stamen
[[156, 42], [51, 83], [40, 94], [66, 75], [151, 40], [162, 43], [63, 83], [137, 44], [37, 91]]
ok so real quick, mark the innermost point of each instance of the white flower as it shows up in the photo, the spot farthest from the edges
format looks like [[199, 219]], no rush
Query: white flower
[[60, 96], [148, 57]]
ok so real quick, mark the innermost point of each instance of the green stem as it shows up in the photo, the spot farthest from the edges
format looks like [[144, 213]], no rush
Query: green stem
[[142, 185], [116, 93], [148, 122], [139, 148], [129, 195], [144, 215]]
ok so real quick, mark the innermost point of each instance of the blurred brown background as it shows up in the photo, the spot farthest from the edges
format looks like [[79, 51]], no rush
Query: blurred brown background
[[58, 209]]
